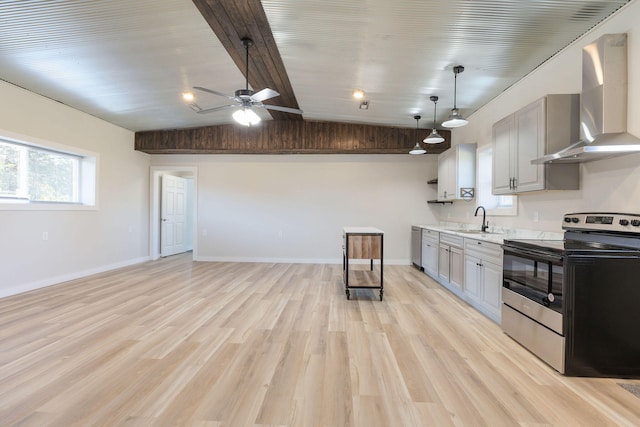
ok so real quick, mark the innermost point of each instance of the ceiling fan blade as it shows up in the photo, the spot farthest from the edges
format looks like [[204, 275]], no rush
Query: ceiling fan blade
[[204, 89], [264, 94], [283, 109], [211, 110]]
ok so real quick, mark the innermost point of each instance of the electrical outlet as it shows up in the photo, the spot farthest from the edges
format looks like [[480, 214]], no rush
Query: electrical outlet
[[204, 232], [45, 235], [280, 234], [536, 216]]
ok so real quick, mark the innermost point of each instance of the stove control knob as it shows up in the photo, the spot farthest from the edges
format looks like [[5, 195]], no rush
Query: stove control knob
[[624, 222], [635, 222], [567, 219], [574, 219]]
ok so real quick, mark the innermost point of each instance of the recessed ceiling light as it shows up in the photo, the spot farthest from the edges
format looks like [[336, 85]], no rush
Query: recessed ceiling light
[[358, 94], [188, 96]]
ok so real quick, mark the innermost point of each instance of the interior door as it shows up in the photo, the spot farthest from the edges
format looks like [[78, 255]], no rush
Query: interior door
[[173, 210]]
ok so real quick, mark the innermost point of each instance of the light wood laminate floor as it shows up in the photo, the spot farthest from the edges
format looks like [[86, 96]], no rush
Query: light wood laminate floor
[[177, 342]]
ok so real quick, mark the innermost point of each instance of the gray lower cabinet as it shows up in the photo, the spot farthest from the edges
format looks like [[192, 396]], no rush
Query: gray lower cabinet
[[469, 268], [483, 277], [450, 262]]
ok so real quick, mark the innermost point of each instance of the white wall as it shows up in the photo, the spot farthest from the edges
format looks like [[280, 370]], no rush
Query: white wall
[[80, 241], [293, 207], [606, 185]]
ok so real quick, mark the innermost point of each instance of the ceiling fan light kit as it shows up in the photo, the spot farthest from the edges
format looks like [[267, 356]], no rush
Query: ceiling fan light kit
[[418, 148], [246, 117], [455, 119], [434, 137]]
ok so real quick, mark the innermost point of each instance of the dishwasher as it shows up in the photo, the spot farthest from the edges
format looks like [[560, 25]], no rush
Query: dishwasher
[[416, 247]]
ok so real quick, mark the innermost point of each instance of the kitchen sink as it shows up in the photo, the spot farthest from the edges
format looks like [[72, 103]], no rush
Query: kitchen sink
[[458, 230]]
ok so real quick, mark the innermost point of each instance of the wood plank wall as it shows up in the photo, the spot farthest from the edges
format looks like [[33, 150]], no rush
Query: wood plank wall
[[287, 137]]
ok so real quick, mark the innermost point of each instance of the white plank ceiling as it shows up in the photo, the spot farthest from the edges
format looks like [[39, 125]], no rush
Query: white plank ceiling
[[128, 62]]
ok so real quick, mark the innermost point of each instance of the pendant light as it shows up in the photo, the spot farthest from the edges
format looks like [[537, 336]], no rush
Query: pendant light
[[417, 149], [434, 137], [455, 119]]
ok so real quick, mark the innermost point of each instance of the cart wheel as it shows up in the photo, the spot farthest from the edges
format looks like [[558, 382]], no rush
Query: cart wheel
[[348, 294], [380, 294]]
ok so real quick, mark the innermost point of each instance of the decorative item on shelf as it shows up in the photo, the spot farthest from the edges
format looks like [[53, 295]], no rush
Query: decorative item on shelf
[[467, 194], [455, 119], [434, 137], [417, 149]]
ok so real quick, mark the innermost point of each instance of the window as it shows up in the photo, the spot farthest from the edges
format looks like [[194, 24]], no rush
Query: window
[[34, 174], [495, 205]]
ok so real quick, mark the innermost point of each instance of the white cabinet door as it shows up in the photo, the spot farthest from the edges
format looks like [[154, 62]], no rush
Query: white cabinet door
[[446, 175], [456, 267], [492, 287], [456, 170], [472, 277], [443, 263], [503, 147], [530, 134]]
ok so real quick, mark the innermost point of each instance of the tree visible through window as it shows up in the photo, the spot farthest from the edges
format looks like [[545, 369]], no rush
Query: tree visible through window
[[35, 174]]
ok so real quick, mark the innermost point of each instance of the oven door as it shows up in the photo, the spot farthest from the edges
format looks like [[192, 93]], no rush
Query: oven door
[[535, 275]]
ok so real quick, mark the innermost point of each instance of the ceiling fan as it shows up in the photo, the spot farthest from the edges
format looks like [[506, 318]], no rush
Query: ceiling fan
[[246, 99]]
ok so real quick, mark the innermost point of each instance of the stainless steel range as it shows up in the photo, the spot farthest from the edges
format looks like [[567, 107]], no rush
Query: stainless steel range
[[575, 302]]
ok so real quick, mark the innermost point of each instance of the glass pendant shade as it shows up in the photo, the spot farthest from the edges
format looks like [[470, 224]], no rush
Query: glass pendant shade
[[455, 119], [434, 137], [417, 149], [246, 117]]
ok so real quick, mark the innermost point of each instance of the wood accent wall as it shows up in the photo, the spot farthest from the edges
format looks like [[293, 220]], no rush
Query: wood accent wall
[[287, 137]]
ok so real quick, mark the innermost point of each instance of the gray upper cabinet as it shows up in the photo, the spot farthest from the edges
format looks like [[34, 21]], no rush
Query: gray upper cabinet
[[544, 126]]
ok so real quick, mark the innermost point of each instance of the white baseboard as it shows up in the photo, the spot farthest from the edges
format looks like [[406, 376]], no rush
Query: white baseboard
[[66, 277], [298, 260]]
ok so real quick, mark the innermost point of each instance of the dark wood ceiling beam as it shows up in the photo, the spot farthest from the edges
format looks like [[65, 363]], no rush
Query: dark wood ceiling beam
[[287, 137], [233, 20]]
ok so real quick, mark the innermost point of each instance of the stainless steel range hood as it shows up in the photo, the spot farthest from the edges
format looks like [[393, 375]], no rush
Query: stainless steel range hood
[[603, 105]]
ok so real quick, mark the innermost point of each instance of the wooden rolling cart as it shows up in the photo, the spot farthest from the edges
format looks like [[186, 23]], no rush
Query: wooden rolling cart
[[362, 243]]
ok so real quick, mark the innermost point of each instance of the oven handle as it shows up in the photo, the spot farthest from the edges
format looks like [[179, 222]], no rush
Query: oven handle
[[533, 254]]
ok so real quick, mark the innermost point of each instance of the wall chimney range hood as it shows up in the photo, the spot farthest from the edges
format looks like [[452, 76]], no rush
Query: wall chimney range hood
[[603, 105]]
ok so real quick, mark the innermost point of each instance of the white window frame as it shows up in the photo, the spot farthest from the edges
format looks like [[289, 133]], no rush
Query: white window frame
[[494, 205], [86, 182]]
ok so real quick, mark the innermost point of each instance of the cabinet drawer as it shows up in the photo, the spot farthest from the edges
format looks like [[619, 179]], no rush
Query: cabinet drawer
[[451, 239], [364, 247], [490, 252], [430, 235]]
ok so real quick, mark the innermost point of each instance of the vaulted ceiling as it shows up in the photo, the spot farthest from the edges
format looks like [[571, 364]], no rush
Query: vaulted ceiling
[[128, 62]]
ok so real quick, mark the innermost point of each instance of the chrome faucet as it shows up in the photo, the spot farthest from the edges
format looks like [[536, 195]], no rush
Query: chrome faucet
[[485, 224]]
